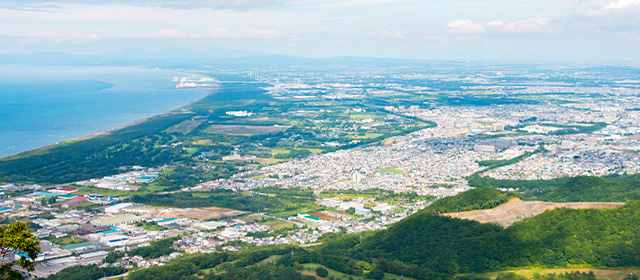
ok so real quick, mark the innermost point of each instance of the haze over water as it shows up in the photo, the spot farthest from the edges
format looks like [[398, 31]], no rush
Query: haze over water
[[42, 105]]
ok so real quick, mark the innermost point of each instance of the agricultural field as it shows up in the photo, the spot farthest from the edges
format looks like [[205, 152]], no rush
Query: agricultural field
[[244, 130], [278, 224]]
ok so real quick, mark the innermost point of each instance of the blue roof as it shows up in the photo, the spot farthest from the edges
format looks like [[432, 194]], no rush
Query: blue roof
[[67, 195], [117, 240], [79, 245], [4, 209], [166, 220], [47, 194], [109, 231]]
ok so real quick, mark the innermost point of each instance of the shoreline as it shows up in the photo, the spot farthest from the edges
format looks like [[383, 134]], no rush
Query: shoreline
[[118, 127]]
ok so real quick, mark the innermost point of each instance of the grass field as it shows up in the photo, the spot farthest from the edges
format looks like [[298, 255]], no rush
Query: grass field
[[103, 192], [185, 126], [244, 130], [277, 224], [392, 169], [203, 142], [309, 269], [601, 273]]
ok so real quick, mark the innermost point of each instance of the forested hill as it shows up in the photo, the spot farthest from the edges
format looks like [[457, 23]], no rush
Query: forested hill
[[617, 188], [475, 199], [430, 246]]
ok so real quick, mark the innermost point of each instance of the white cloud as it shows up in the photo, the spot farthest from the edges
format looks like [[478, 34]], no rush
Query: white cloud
[[261, 33], [465, 27], [393, 35], [173, 4], [495, 23], [622, 4], [171, 34], [222, 32], [528, 25]]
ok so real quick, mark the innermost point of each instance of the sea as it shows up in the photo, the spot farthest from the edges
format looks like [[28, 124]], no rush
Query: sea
[[44, 105]]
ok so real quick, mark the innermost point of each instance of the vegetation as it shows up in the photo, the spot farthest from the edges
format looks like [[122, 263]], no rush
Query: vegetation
[[197, 138], [95, 157], [429, 246], [156, 249], [150, 225], [617, 188], [86, 272], [271, 199], [322, 272], [16, 239], [493, 164], [475, 199]]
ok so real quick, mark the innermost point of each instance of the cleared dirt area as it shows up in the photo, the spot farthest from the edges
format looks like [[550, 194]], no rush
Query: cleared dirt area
[[518, 210], [203, 213], [244, 130], [323, 216]]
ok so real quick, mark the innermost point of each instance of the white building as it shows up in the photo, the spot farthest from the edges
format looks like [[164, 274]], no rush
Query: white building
[[363, 211], [115, 209]]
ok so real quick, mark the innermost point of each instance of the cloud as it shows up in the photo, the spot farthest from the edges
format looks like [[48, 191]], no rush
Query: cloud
[[218, 33], [495, 23], [528, 25], [222, 32], [171, 34], [464, 27], [622, 4], [173, 4], [389, 34], [393, 35]]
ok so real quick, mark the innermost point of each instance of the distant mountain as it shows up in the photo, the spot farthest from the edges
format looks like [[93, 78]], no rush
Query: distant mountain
[[181, 53], [178, 57]]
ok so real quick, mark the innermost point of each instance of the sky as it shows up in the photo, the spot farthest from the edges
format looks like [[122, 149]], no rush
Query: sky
[[540, 30]]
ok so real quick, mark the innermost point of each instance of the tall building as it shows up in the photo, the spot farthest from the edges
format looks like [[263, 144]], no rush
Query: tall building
[[356, 177]]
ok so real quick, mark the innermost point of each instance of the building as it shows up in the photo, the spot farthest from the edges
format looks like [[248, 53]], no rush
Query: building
[[210, 225], [350, 204], [382, 207], [115, 209], [62, 190], [363, 211], [116, 220], [74, 201], [484, 148], [331, 203], [356, 177]]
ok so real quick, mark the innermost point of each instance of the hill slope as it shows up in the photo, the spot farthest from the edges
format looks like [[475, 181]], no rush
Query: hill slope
[[429, 246], [475, 199]]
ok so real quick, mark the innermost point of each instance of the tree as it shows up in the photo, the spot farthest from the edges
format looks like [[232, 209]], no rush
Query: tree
[[16, 239], [322, 272], [375, 274]]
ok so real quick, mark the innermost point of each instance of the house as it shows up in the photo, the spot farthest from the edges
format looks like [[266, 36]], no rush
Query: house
[[74, 201]]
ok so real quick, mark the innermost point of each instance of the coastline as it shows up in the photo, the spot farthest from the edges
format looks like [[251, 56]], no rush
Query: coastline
[[118, 127]]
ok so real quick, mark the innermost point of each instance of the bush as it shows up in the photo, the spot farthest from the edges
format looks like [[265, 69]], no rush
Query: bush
[[322, 272], [375, 274]]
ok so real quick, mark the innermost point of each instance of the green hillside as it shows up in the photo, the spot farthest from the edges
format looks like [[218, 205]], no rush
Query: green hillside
[[475, 199], [618, 188], [428, 246]]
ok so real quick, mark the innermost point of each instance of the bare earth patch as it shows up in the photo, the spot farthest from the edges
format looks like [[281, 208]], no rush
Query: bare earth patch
[[517, 210]]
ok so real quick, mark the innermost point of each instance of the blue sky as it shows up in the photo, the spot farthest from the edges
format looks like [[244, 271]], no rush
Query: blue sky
[[464, 30]]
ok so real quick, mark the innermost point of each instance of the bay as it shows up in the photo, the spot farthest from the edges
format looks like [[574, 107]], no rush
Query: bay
[[43, 105]]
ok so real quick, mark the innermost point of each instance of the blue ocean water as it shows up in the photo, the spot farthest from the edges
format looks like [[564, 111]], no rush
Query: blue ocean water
[[42, 105]]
